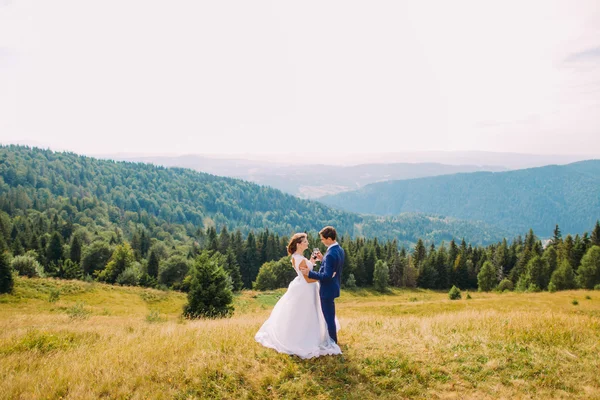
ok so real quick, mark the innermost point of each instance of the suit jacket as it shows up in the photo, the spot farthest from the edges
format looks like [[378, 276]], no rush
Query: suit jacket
[[333, 263]]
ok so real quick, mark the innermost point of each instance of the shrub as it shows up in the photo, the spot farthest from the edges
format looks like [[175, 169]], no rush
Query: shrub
[[53, 296], [454, 293], [486, 278], [575, 302], [129, 277], [27, 265], [275, 274], [381, 276], [505, 284], [351, 282]]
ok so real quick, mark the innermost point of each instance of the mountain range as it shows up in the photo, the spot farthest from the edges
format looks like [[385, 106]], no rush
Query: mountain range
[[538, 198]]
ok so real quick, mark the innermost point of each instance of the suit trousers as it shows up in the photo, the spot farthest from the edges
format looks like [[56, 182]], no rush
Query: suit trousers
[[328, 308]]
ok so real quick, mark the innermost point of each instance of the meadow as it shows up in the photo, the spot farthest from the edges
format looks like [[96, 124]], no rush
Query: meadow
[[78, 340]]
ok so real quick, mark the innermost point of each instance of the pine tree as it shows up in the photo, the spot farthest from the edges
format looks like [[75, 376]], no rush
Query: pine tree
[[75, 249], [250, 265], [233, 269], [153, 264], [532, 278], [54, 252], [210, 294], [427, 273], [6, 277], [595, 239], [224, 240], [588, 273], [550, 263], [211, 237], [397, 270], [419, 253], [556, 239]]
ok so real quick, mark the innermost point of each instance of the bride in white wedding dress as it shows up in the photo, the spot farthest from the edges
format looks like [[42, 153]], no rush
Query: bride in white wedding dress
[[296, 325]]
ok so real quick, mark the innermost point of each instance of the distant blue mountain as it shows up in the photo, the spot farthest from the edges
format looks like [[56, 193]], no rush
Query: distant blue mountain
[[538, 198]]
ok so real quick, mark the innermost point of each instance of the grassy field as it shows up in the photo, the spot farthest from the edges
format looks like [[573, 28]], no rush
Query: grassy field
[[100, 341]]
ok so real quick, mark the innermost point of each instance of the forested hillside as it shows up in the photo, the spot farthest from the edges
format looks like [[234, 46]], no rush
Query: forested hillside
[[537, 198], [178, 201]]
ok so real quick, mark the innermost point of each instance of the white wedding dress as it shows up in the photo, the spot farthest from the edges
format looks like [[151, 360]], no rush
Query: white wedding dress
[[296, 325]]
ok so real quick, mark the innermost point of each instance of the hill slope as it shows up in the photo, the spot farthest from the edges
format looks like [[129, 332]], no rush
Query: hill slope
[[309, 181], [161, 196], [535, 198]]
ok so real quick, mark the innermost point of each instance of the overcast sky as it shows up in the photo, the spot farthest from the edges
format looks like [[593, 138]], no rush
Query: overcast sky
[[144, 76]]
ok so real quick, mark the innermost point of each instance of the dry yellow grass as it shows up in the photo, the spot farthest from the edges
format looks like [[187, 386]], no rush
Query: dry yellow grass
[[99, 341]]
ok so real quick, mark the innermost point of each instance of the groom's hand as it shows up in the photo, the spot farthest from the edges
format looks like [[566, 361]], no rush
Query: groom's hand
[[304, 270]]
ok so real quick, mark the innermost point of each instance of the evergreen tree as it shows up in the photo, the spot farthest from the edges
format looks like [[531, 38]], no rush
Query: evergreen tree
[[532, 278], [210, 294], [556, 239], [397, 270], [75, 249], [54, 252], [419, 253], [211, 237], [153, 264], [588, 273], [224, 240], [427, 273], [550, 263], [250, 265], [233, 269], [6, 277], [595, 239], [369, 264], [443, 279]]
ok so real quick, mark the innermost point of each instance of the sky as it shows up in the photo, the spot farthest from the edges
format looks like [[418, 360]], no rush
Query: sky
[[300, 78]]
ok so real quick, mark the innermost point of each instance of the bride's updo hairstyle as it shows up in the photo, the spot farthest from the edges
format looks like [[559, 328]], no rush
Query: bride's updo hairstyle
[[293, 244]]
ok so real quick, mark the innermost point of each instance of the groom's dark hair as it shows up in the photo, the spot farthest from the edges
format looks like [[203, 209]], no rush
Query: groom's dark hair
[[328, 233]]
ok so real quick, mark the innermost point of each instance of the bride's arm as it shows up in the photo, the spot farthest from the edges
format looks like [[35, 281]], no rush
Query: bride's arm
[[306, 278]]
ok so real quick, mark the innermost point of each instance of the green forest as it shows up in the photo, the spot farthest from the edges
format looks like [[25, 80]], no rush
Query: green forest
[[73, 217], [537, 198]]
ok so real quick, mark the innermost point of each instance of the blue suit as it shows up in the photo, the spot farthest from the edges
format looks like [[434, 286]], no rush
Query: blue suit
[[333, 263]]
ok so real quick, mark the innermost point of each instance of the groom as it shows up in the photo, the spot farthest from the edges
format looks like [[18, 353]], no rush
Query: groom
[[330, 275]]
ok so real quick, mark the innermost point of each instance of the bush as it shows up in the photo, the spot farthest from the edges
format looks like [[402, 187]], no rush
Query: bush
[[597, 287], [54, 295], [351, 282], [275, 274], [486, 279], [129, 277], [78, 311], [468, 296], [454, 293], [173, 271], [27, 266], [505, 284], [575, 302], [381, 276]]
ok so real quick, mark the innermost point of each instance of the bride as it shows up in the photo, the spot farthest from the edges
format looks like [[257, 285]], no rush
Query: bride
[[296, 325]]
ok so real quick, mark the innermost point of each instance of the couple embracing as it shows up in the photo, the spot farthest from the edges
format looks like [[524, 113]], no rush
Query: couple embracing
[[303, 321]]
